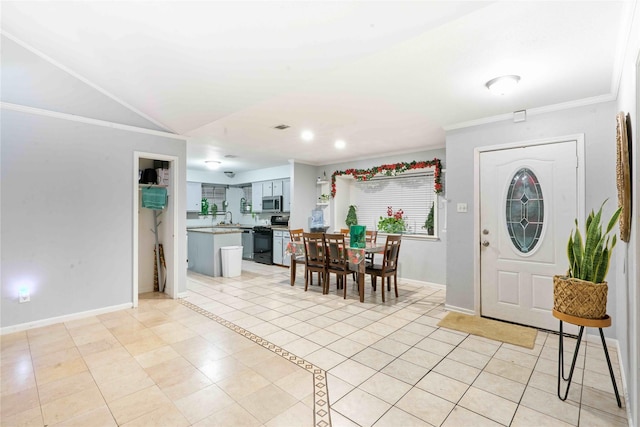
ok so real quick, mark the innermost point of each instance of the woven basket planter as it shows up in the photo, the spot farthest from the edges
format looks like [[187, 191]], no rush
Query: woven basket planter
[[580, 298]]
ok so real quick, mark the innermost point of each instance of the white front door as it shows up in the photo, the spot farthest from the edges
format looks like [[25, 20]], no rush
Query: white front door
[[528, 203]]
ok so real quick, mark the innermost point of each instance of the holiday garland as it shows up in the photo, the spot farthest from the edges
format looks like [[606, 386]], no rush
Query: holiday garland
[[392, 170]]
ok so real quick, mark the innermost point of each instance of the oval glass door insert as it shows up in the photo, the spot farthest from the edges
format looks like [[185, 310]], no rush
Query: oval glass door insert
[[524, 210]]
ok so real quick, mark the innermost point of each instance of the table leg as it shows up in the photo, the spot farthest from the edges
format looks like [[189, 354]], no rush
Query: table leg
[[293, 270]]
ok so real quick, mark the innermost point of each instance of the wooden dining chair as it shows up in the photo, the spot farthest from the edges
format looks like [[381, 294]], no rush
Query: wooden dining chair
[[296, 236], [337, 262], [371, 237], [315, 262], [344, 231], [389, 266]]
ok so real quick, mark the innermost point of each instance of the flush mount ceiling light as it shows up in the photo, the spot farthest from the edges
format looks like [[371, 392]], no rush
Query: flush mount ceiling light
[[340, 144], [306, 135], [212, 164], [503, 85]]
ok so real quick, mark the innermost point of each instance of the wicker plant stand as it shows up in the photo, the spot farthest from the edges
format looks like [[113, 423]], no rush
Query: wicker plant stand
[[605, 322]]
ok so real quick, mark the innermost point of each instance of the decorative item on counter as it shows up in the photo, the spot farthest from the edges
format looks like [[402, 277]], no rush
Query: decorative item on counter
[[214, 210], [204, 207], [224, 205], [393, 222], [583, 291], [352, 218], [358, 236]]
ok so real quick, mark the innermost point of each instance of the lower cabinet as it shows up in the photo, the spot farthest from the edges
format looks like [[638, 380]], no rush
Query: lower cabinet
[[280, 240]]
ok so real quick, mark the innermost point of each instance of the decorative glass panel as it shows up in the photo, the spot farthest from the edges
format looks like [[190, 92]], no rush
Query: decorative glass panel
[[525, 210]]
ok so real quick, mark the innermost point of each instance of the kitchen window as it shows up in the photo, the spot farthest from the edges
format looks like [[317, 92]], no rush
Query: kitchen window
[[215, 194], [413, 193]]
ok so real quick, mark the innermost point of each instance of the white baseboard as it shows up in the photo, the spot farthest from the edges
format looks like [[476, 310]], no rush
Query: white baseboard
[[422, 283], [459, 309], [183, 294], [65, 318]]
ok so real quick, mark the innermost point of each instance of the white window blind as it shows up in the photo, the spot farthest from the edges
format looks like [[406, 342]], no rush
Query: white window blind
[[214, 194], [414, 194]]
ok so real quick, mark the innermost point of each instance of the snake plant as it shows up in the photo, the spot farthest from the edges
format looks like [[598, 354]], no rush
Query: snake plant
[[589, 260]]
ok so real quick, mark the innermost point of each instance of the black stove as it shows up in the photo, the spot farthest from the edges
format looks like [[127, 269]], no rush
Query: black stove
[[263, 239]]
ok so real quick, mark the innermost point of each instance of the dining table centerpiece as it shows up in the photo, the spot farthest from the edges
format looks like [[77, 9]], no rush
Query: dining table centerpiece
[[582, 292], [393, 223]]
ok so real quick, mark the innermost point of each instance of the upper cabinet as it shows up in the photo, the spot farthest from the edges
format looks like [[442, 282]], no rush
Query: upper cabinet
[[278, 187], [256, 197], [194, 196], [272, 188]]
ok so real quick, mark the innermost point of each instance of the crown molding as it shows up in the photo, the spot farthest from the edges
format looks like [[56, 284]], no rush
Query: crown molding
[[87, 120]]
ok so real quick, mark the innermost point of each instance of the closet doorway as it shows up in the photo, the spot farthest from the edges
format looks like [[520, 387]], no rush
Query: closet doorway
[[143, 238]]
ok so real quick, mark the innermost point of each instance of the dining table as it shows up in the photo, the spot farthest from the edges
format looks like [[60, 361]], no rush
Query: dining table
[[355, 256]]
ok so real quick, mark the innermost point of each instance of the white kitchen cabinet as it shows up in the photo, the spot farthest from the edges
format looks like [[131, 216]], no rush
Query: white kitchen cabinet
[[194, 196], [277, 247], [286, 195], [280, 240], [267, 189], [277, 188], [256, 197]]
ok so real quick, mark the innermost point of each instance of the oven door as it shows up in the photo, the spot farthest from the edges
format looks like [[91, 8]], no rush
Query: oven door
[[263, 247]]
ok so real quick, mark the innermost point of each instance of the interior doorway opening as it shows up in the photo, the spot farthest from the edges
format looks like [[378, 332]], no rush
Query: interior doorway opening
[[144, 257]]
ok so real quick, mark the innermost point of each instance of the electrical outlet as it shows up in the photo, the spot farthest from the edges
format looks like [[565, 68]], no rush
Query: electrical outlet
[[462, 207], [24, 297]]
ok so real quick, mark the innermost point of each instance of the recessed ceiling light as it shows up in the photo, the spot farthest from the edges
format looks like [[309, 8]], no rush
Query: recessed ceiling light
[[306, 135], [340, 144], [212, 164], [503, 85]]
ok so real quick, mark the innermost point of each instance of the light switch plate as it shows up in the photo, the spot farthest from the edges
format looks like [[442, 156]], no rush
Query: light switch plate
[[462, 207]]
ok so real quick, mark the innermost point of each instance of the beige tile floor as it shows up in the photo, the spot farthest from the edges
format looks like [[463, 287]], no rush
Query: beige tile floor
[[166, 364]]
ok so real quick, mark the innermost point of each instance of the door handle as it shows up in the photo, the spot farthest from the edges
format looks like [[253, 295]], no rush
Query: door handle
[[485, 243]]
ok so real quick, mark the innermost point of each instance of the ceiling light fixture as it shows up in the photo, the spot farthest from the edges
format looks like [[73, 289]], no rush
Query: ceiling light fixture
[[306, 135], [230, 174], [340, 144], [503, 85], [212, 164]]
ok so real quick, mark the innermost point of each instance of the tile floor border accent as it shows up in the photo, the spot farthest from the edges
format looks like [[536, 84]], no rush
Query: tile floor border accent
[[321, 411]]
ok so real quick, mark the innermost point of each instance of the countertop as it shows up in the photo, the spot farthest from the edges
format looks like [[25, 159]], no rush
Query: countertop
[[216, 230]]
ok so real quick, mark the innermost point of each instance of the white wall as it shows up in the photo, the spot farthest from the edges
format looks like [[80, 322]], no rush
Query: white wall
[[303, 195], [596, 122], [67, 206], [628, 278]]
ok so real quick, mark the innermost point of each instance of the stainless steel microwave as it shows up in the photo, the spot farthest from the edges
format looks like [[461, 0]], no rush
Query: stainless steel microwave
[[272, 204]]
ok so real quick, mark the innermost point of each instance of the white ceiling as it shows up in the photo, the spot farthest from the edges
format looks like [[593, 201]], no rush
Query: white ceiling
[[385, 76]]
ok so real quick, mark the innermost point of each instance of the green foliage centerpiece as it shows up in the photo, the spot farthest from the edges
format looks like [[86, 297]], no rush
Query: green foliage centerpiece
[[393, 222], [583, 291]]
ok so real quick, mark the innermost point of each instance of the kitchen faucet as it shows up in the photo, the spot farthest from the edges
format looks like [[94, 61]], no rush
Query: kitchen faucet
[[230, 216]]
